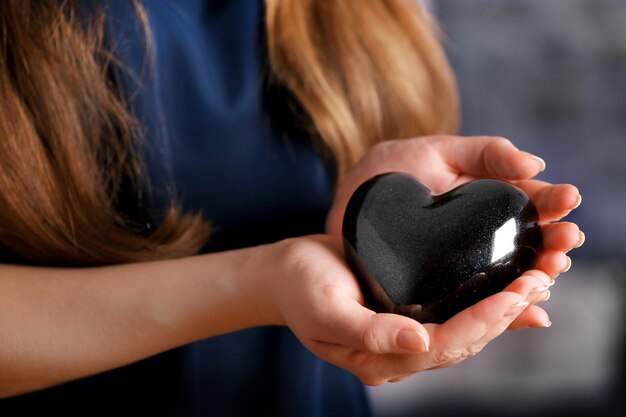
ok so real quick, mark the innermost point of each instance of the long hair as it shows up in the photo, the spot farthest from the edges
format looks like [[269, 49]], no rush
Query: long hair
[[363, 73]]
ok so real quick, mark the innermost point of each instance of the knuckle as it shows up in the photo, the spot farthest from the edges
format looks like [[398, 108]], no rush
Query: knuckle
[[330, 293], [292, 250], [370, 342], [451, 357], [473, 350], [445, 356], [301, 256]]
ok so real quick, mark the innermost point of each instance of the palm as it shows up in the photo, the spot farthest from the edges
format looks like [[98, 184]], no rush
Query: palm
[[442, 163], [324, 306]]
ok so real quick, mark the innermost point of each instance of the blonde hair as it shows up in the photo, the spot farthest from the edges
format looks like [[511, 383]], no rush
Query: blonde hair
[[363, 72]]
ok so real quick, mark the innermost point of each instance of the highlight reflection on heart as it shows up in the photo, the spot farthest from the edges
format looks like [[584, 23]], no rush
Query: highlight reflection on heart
[[429, 257]]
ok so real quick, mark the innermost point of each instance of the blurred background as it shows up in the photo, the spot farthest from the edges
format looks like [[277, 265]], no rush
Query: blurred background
[[551, 76]]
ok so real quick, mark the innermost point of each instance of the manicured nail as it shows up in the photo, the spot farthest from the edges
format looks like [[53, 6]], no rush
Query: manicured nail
[[537, 293], [547, 296], [568, 265], [516, 308], [536, 158], [581, 239], [580, 200], [412, 341]]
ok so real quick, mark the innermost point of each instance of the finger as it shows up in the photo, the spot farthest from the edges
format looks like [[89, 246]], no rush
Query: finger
[[356, 327], [531, 285], [553, 202], [533, 316], [466, 333], [562, 236], [371, 368], [491, 157], [450, 358], [460, 337], [553, 263]]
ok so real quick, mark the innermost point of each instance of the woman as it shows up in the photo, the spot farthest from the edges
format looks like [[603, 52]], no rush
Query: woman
[[106, 306]]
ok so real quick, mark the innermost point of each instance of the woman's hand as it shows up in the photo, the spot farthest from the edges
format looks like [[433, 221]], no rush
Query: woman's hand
[[311, 289], [444, 162]]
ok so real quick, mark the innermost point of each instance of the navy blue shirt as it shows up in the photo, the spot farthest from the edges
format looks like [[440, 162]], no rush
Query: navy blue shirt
[[213, 141]]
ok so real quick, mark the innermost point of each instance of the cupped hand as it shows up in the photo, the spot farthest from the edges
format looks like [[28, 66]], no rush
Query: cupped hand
[[445, 162], [312, 290]]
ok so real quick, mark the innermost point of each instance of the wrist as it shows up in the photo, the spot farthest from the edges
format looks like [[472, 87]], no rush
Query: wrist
[[289, 272], [263, 272], [215, 293]]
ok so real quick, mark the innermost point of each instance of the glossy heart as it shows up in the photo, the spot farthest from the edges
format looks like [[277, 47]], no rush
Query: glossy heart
[[429, 257]]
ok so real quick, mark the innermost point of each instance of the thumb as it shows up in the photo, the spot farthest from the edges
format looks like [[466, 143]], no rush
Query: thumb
[[362, 329], [491, 157]]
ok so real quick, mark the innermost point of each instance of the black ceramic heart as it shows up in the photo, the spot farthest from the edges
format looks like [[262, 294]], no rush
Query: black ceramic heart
[[429, 257]]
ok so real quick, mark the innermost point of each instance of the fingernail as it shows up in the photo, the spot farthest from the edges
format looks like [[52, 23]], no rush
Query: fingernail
[[547, 323], [516, 308], [412, 341], [568, 264], [580, 200], [581, 240], [535, 293], [536, 158], [547, 297]]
